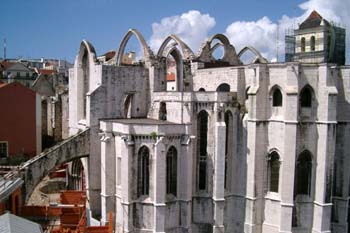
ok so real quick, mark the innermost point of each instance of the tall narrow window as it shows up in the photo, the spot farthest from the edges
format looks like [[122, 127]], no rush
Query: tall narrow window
[[303, 173], [3, 150], [313, 43], [302, 44], [171, 171], [277, 98], [273, 171], [143, 171], [162, 111], [202, 149], [306, 97], [228, 143]]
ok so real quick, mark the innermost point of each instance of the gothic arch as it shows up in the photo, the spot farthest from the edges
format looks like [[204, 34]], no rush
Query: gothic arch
[[186, 51], [306, 96], [230, 55], [258, 57], [276, 95], [86, 48], [147, 52]]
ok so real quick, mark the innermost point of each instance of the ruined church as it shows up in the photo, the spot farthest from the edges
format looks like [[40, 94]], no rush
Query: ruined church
[[232, 146]]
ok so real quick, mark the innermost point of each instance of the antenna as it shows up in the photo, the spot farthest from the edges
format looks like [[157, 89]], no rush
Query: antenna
[[4, 48], [277, 42]]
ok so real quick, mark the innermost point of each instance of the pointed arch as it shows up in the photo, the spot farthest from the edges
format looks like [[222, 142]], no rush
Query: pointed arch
[[86, 48], [276, 95], [186, 51], [273, 170], [147, 52], [85, 61], [258, 57], [303, 173], [178, 75], [230, 55], [143, 171], [202, 151], [171, 171], [306, 96]]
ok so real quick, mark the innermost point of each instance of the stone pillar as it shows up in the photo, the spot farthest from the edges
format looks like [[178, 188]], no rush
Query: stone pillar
[[287, 169], [219, 177], [159, 188], [125, 213], [185, 165], [107, 176], [325, 156]]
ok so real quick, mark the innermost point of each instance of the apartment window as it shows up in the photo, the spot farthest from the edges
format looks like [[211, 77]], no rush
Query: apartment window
[[18, 74], [171, 171], [27, 74], [143, 171], [277, 98], [202, 149], [3, 149], [273, 171]]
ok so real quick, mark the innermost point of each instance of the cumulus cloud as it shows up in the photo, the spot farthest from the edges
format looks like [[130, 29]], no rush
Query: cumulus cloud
[[267, 36], [192, 27]]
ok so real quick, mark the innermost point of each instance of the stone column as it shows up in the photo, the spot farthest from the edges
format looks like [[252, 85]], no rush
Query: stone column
[[287, 169], [219, 177], [325, 156], [159, 188], [107, 176], [184, 184], [127, 147], [326, 130]]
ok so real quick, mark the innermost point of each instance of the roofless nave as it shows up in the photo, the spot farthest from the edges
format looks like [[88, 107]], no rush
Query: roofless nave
[[259, 147]]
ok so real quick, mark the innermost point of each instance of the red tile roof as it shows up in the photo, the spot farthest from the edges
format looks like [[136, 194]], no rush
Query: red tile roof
[[46, 71], [314, 20], [109, 55], [4, 65], [170, 77]]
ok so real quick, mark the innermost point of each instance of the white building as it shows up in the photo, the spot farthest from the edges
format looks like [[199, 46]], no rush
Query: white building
[[256, 148]]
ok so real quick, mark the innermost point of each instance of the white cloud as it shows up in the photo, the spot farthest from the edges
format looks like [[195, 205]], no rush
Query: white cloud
[[262, 34], [192, 27]]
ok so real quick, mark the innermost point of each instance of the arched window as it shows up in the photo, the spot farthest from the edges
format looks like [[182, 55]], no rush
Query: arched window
[[162, 111], [171, 171], [228, 142], [143, 171], [224, 87], [306, 97], [201, 89], [313, 43], [273, 171], [302, 44], [303, 173], [277, 98], [202, 127]]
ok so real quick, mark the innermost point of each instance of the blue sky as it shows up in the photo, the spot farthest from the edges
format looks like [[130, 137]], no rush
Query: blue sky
[[54, 28]]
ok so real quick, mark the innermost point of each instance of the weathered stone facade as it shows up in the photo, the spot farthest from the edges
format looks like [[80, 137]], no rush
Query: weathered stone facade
[[258, 147]]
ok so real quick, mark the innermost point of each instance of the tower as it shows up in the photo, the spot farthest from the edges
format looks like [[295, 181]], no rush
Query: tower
[[317, 41]]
